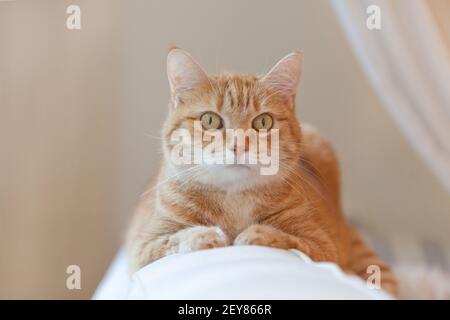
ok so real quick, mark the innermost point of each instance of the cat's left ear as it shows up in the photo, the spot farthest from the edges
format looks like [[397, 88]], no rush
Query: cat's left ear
[[184, 73], [285, 76]]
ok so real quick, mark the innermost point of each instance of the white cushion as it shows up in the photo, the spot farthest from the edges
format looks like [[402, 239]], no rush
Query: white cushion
[[239, 272]]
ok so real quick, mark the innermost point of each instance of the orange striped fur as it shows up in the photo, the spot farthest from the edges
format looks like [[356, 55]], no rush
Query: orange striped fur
[[191, 208]]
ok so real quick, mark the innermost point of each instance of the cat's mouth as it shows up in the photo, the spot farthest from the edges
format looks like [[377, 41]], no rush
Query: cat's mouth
[[237, 166]]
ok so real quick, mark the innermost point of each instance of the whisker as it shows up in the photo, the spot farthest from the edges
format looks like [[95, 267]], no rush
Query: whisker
[[149, 135], [178, 174], [302, 179]]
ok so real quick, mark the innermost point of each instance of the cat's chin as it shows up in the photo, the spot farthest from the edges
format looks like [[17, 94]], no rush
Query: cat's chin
[[237, 167], [236, 177]]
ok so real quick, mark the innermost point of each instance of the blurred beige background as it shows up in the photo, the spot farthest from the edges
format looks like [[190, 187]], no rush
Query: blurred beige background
[[80, 114]]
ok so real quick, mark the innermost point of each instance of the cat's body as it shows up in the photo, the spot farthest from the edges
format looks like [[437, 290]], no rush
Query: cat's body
[[194, 207]]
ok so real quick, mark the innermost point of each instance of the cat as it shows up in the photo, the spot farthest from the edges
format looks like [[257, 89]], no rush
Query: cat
[[200, 206]]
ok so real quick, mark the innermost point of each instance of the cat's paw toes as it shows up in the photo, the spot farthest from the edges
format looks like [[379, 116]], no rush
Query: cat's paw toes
[[267, 236], [203, 237], [255, 235]]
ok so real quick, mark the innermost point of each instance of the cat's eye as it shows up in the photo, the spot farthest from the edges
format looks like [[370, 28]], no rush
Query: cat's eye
[[210, 120], [263, 122]]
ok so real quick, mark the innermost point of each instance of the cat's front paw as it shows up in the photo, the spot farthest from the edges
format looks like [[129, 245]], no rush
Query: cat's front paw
[[202, 237], [267, 236]]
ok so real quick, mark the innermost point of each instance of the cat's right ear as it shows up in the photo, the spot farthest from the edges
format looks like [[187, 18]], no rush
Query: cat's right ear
[[285, 76], [184, 74]]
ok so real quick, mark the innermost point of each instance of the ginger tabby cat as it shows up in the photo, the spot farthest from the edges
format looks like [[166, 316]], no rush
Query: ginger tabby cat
[[200, 206]]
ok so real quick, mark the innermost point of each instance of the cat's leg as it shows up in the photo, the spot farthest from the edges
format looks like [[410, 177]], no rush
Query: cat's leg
[[143, 251], [364, 262], [317, 248]]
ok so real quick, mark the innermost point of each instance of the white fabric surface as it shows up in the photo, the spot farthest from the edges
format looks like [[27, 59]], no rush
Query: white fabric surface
[[408, 63], [244, 272]]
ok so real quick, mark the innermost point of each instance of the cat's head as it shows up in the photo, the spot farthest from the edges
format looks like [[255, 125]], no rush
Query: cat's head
[[205, 109]]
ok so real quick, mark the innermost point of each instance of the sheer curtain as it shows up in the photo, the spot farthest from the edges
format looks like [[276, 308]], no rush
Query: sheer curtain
[[408, 64]]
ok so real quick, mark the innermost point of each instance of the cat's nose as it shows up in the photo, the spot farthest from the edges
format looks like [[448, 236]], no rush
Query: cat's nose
[[238, 149]]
